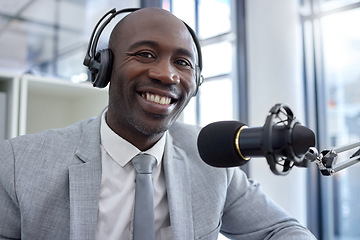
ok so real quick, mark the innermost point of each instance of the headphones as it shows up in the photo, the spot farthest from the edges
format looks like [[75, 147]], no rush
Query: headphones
[[100, 62]]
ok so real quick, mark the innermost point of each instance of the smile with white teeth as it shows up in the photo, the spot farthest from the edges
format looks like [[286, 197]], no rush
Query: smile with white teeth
[[156, 98]]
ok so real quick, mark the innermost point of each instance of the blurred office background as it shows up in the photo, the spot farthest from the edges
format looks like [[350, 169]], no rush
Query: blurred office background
[[305, 53]]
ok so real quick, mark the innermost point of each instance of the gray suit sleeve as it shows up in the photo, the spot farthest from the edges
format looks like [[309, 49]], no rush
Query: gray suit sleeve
[[250, 214], [9, 209]]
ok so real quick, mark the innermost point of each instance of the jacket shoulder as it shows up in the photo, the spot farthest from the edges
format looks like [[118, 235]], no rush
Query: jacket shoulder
[[68, 134], [49, 144]]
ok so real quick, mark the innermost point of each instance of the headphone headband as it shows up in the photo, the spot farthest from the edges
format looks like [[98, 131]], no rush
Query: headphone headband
[[94, 41]]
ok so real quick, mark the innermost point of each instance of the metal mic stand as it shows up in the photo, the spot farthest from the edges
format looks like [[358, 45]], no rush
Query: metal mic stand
[[327, 159]]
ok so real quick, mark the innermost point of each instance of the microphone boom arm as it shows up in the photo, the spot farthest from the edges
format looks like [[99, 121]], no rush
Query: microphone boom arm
[[327, 159]]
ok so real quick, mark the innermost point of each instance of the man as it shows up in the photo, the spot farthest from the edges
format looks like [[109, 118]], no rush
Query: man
[[78, 183]]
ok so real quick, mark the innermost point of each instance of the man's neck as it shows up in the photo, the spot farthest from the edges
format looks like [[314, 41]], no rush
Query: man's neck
[[140, 140]]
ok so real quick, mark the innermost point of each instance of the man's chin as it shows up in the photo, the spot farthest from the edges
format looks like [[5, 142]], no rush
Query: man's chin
[[151, 130]]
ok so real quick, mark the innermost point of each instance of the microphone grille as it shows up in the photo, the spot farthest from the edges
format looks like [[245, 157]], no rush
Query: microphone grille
[[216, 144]]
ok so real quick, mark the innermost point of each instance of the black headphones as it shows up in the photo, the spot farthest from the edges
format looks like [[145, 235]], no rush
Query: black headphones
[[100, 62]]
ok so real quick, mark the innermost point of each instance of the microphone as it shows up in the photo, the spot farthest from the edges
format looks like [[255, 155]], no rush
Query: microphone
[[232, 143]]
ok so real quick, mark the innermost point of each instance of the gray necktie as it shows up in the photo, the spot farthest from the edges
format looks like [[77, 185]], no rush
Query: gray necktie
[[144, 226]]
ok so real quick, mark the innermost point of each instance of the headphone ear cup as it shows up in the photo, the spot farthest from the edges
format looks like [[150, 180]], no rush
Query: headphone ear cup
[[101, 77]]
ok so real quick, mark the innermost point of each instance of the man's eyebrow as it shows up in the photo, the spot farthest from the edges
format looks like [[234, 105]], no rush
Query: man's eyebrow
[[180, 51]]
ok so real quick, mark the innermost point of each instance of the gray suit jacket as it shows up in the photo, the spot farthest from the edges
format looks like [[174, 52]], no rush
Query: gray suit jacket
[[50, 184]]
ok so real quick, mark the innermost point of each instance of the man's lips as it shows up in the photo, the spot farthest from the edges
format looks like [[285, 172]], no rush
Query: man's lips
[[155, 98]]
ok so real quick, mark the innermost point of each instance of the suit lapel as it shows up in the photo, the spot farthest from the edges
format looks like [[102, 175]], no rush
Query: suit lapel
[[84, 184], [179, 191]]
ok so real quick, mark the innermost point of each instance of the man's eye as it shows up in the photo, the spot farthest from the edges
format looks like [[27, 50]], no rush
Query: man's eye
[[183, 63], [145, 55]]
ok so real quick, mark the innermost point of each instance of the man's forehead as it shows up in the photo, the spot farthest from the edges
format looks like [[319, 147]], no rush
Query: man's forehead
[[149, 25], [153, 24], [149, 15]]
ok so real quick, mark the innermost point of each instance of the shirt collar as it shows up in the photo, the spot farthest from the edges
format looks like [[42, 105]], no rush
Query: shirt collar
[[123, 151]]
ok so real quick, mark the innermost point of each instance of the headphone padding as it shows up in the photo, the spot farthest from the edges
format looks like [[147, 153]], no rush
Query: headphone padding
[[102, 77]]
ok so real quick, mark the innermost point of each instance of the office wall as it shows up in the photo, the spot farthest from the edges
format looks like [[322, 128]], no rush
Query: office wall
[[275, 76]]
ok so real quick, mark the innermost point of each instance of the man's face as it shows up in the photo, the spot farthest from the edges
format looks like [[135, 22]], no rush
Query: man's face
[[153, 76]]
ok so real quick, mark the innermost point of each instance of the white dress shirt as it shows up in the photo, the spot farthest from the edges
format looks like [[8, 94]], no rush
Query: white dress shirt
[[117, 193]]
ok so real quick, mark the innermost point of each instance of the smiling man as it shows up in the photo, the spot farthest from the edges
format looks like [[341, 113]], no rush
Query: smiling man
[[78, 182]]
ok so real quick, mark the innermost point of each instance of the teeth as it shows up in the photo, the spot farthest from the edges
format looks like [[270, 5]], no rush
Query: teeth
[[156, 98]]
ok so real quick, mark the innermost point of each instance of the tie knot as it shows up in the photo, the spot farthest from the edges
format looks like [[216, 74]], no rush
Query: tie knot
[[144, 163]]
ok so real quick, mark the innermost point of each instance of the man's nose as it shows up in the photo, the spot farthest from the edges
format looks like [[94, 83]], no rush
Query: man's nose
[[165, 72]]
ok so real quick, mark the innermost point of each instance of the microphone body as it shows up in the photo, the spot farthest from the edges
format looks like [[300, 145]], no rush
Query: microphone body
[[299, 138], [232, 143]]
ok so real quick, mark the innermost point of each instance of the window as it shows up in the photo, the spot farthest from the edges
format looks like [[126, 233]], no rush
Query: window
[[332, 44], [50, 37]]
